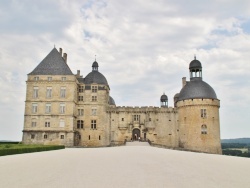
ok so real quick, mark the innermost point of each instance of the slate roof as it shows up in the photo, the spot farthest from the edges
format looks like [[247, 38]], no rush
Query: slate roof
[[111, 101], [195, 64], [197, 89], [95, 77], [164, 98], [52, 64]]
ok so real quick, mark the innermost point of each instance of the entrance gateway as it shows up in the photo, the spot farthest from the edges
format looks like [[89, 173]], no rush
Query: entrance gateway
[[136, 134]]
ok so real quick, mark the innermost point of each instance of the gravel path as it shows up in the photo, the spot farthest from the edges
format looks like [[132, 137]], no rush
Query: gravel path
[[137, 166]]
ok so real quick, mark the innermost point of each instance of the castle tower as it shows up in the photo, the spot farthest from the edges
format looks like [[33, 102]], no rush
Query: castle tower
[[198, 109], [92, 127]]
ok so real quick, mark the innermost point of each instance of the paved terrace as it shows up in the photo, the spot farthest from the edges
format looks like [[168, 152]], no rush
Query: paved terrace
[[135, 165]]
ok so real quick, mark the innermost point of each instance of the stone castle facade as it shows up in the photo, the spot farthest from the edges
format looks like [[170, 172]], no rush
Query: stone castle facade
[[72, 110]]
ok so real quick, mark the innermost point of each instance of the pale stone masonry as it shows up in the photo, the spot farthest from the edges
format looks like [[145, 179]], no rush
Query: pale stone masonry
[[72, 110]]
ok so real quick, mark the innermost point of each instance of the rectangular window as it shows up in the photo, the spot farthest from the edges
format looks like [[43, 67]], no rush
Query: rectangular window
[[48, 108], [81, 89], [35, 92], [33, 123], [34, 108], [94, 112], [122, 119], [149, 119], [63, 78], [94, 98], [80, 112], [80, 98], [93, 124], [94, 89], [45, 136], [203, 113], [63, 92], [32, 136], [49, 92], [36, 78], [136, 118], [62, 108], [47, 123], [62, 123], [62, 136], [80, 124], [49, 78]]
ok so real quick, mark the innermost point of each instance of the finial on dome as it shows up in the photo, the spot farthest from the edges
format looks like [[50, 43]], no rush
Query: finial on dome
[[95, 65], [194, 57]]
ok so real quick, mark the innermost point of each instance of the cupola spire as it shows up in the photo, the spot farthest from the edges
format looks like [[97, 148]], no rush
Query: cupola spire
[[95, 65], [195, 69]]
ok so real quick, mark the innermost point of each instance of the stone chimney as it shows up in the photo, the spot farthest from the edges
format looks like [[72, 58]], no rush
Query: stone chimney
[[78, 73], [65, 57], [184, 81], [60, 51]]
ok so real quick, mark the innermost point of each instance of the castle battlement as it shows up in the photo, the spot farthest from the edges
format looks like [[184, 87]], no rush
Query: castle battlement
[[143, 109]]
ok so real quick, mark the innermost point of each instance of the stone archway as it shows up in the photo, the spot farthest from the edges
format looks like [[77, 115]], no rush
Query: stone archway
[[136, 134]]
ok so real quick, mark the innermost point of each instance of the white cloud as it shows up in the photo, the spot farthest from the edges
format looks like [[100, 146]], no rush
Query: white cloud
[[143, 49]]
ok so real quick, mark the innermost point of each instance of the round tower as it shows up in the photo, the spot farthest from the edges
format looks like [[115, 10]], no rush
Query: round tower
[[198, 109]]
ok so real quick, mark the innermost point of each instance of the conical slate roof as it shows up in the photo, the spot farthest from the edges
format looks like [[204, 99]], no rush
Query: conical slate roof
[[52, 64]]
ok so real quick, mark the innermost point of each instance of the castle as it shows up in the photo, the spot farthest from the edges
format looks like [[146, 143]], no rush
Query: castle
[[63, 108]]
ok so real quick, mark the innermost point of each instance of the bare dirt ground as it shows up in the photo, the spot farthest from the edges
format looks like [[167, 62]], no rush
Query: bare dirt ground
[[136, 165]]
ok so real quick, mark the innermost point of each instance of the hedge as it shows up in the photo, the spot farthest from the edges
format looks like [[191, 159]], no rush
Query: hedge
[[10, 143], [27, 149]]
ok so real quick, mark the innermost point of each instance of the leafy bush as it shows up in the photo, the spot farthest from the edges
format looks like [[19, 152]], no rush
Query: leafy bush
[[18, 149]]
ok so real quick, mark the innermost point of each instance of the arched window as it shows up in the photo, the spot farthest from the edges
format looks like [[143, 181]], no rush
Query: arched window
[[79, 124], [203, 129]]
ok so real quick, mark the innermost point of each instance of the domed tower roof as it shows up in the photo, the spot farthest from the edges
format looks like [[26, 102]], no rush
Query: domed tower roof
[[196, 88], [164, 98], [95, 65], [195, 64], [111, 101], [177, 95], [95, 77]]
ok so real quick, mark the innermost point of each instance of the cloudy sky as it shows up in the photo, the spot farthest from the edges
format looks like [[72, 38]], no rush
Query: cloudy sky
[[143, 48]]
